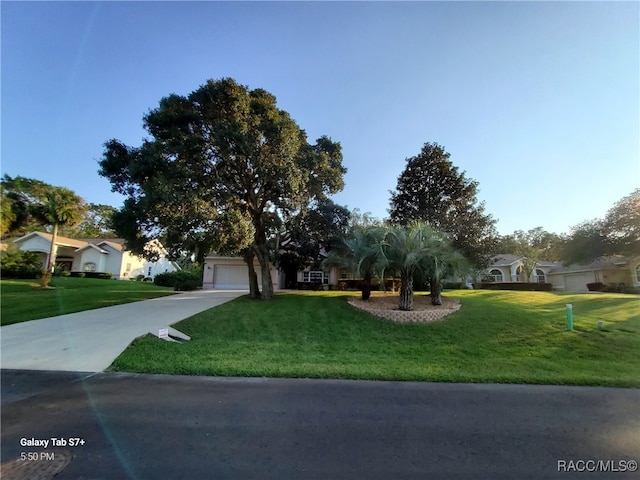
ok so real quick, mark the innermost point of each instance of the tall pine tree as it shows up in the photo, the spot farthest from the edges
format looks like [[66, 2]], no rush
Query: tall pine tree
[[431, 189]]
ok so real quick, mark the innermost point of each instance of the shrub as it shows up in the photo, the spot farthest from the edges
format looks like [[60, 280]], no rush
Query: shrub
[[595, 286], [523, 286], [139, 278], [182, 280], [15, 263], [101, 275]]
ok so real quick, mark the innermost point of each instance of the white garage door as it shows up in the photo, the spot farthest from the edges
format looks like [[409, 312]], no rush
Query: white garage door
[[233, 277], [577, 282]]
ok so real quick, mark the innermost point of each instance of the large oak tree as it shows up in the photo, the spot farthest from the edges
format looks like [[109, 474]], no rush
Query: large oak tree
[[222, 151]]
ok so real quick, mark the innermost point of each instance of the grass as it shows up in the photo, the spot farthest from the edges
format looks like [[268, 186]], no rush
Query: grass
[[503, 337], [24, 300]]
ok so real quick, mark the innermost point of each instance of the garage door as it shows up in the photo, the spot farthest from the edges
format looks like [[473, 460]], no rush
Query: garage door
[[577, 282], [233, 277]]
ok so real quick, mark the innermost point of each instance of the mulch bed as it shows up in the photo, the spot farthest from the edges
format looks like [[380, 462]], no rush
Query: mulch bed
[[386, 306]]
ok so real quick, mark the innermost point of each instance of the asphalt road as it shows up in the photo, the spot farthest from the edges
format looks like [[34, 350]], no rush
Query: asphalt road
[[166, 427]]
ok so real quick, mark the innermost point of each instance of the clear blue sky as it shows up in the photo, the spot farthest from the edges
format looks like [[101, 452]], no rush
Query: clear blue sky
[[539, 102]]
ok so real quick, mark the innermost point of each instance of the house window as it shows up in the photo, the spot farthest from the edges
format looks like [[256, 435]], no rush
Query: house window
[[346, 276], [89, 267], [128, 269], [149, 272], [495, 275], [519, 276], [638, 274], [315, 276], [539, 275]]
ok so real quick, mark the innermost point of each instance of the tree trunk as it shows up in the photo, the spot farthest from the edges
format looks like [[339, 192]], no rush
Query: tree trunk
[[436, 291], [254, 289], [267, 284], [47, 271], [51, 260], [406, 292], [262, 252], [366, 286]]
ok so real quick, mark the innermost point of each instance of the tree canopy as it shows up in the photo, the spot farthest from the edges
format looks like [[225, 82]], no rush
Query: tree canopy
[[431, 189], [223, 151], [618, 233], [22, 211]]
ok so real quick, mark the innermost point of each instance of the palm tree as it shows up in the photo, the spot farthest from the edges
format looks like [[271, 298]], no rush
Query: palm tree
[[404, 250], [443, 262], [60, 207], [419, 247], [359, 254]]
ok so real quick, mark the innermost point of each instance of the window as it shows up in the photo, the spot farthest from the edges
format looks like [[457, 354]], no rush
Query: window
[[315, 276], [346, 276], [495, 275], [519, 276], [539, 275], [638, 273], [128, 269], [89, 267]]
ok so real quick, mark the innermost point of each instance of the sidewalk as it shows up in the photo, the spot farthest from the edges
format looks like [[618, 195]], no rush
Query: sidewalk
[[89, 341]]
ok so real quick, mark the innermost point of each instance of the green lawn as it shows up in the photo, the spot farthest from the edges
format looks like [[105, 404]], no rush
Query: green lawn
[[506, 337], [24, 300]]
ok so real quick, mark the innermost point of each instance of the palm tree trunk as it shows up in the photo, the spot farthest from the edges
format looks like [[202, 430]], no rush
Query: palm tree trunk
[[366, 286], [406, 292], [436, 291], [52, 251]]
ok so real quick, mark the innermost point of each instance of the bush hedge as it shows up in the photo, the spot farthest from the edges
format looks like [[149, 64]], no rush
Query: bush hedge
[[182, 280], [16, 263], [102, 275], [524, 286]]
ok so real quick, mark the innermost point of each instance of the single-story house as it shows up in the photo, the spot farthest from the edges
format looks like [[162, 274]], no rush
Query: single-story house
[[232, 273], [508, 268], [611, 270], [96, 255]]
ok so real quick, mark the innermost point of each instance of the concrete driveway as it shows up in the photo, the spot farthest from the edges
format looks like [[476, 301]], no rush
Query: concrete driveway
[[89, 341]]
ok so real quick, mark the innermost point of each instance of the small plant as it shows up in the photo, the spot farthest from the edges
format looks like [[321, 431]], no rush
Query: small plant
[[45, 278]]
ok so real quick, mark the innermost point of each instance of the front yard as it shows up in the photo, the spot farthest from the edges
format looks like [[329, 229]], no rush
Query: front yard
[[24, 300], [504, 337]]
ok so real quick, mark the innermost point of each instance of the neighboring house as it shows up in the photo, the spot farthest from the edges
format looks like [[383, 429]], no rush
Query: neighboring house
[[96, 255], [612, 270], [508, 268]]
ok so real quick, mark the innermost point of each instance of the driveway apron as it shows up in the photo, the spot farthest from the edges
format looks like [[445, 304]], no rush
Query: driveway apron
[[89, 341]]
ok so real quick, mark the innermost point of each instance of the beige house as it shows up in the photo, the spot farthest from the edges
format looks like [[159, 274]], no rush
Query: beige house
[[612, 270], [232, 273], [95, 255], [508, 268]]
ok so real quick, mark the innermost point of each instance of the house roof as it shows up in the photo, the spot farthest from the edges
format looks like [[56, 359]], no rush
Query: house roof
[[64, 241], [78, 243], [88, 246], [611, 262], [507, 259]]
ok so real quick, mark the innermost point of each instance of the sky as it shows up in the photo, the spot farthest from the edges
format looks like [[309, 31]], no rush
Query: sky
[[537, 101]]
